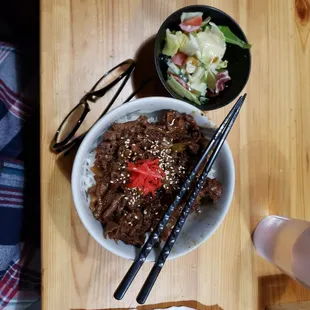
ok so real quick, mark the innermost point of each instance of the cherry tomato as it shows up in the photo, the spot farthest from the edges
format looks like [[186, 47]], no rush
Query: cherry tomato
[[179, 58], [195, 21]]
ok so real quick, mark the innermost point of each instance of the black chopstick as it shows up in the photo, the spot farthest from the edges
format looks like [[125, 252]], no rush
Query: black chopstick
[[148, 284], [153, 238]]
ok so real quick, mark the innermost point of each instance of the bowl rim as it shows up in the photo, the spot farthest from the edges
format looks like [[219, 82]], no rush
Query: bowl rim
[[157, 66], [93, 134]]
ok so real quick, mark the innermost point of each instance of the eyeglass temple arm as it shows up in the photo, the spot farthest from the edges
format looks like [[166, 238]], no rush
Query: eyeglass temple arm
[[143, 84], [115, 96]]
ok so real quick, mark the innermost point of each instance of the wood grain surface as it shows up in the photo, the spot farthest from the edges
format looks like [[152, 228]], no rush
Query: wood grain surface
[[80, 40], [301, 305]]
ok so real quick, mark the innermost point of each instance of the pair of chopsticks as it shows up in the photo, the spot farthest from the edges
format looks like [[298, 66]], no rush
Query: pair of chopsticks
[[213, 147]]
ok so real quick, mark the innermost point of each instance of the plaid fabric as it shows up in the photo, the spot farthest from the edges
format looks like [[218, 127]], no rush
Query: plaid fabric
[[19, 266]]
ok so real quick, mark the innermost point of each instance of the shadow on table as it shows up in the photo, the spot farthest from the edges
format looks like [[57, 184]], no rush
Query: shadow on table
[[145, 69], [65, 161], [279, 289], [188, 303]]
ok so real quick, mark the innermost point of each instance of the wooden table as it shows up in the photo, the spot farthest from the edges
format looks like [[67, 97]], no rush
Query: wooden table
[[270, 143]]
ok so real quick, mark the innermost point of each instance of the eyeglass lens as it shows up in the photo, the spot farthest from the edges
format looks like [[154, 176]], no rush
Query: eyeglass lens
[[70, 122], [95, 109], [112, 76]]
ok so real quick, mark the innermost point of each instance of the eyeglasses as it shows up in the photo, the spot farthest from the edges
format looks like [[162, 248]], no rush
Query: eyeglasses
[[70, 131]]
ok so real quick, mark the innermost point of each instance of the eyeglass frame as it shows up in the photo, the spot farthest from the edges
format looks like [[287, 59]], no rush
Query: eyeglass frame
[[92, 96]]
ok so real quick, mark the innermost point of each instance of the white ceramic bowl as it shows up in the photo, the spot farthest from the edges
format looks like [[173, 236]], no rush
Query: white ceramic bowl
[[198, 227]]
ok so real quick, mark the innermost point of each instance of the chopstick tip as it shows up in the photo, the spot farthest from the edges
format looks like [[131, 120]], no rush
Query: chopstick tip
[[119, 294], [140, 300]]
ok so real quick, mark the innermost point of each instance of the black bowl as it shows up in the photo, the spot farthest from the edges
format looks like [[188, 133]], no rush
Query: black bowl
[[239, 60]]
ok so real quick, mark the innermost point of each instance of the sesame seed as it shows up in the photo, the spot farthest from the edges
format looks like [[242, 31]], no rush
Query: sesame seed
[[111, 181], [171, 124], [136, 217]]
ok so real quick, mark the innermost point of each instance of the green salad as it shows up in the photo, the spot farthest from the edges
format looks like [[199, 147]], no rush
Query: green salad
[[194, 56]]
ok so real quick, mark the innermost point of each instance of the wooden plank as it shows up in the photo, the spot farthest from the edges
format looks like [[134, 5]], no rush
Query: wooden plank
[[55, 211], [303, 305]]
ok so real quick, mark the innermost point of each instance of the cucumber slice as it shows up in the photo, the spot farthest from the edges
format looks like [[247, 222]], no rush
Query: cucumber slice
[[173, 67], [181, 91]]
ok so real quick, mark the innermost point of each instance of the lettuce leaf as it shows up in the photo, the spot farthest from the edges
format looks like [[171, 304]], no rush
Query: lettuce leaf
[[222, 64], [197, 75], [190, 47], [182, 38], [231, 38], [212, 45], [172, 44], [203, 99]]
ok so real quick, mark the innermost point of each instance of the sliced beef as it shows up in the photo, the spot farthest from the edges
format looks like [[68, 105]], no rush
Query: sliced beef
[[126, 214], [109, 211], [212, 189], [111, 135], [109, 147], [194, 148]]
